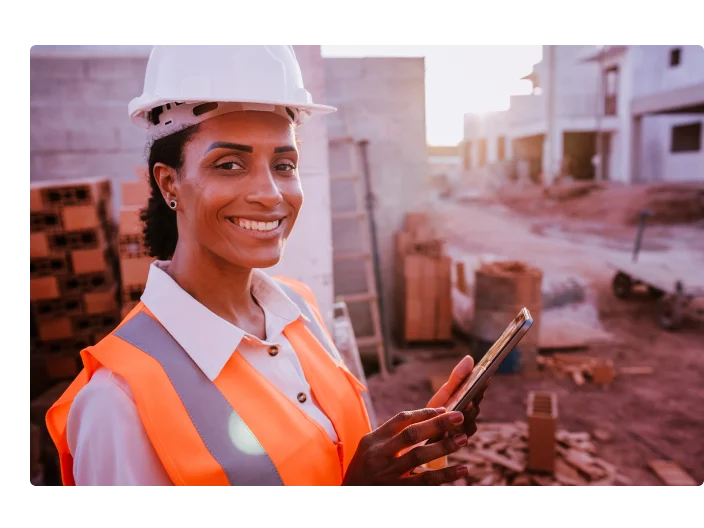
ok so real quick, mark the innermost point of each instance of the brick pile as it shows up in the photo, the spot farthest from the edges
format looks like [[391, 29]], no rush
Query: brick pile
[[134, 259], [73, 275]]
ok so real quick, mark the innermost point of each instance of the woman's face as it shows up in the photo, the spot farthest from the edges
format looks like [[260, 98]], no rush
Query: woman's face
[[239, 192]]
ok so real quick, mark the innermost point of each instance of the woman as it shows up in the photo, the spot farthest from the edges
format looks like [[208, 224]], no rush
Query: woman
[[222, 375]]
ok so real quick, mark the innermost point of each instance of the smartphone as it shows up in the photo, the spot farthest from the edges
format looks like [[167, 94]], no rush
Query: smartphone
[[486, 367]]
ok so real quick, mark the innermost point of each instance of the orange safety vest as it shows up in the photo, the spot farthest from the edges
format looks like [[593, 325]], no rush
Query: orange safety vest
[[239, 429]]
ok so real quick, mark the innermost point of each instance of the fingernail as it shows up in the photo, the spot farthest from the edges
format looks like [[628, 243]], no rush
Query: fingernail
[[456, 417], [462, 471], [440, 410], [460, 439]]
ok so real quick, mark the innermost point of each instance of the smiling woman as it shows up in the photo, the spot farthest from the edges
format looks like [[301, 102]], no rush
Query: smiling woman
[[222, 375]]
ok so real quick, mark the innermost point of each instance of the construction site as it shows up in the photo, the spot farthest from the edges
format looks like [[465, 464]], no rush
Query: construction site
[[583, 202]]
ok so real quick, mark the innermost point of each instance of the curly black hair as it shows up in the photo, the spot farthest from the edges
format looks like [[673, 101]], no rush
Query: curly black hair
[[160, 230]]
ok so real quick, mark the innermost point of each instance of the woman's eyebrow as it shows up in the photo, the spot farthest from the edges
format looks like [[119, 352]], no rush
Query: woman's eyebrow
[[232, 146], [246, 148], [287, 148]]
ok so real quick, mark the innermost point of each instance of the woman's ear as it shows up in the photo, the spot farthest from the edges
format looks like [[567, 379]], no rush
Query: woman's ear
[[166, 179]]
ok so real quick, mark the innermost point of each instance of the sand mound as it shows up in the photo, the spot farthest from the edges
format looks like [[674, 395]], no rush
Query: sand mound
[[669, 203]]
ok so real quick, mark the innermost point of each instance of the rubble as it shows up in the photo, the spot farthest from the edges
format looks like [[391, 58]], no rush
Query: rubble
[[497, 455], [579, 367]]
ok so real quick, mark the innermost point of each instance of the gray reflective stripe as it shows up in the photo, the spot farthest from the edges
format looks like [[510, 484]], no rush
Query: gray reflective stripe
[[211, 413], [313, 325]]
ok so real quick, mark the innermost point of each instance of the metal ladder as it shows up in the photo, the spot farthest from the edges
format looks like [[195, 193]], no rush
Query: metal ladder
[[371, 296]]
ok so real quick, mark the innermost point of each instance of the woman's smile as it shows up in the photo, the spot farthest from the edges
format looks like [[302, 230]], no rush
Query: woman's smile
[[259, 229]]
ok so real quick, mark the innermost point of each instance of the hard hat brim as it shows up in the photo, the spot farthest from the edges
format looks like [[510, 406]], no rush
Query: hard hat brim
[[139, 106]]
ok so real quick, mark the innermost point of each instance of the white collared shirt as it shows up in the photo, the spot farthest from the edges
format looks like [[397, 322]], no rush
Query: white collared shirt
[[105, 434]]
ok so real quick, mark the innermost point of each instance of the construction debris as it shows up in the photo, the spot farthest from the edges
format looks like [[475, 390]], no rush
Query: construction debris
[[579, 367], [671, 473], [498, 455]]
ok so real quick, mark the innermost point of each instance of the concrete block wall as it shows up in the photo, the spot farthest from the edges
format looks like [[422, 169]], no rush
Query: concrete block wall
[[78, 116], [381, 100], [79, 127]]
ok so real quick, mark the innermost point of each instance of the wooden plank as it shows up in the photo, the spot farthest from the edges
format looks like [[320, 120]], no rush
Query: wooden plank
[[443, 330], [671, 473], [636, 371], [429, 299], [566, 474], [502, 461], [461, 277], [413, 278]]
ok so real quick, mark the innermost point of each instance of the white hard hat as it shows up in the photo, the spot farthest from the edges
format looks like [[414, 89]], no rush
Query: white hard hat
[[185, 85]]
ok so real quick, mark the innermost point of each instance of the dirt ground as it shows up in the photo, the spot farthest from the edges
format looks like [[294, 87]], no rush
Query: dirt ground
[[659, 416]]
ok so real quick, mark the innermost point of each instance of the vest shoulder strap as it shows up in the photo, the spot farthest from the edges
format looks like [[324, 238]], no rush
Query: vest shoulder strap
[[312, 321]]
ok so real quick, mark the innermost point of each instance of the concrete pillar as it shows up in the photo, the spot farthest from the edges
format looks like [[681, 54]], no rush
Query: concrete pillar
[[552, 154], [491, 148]]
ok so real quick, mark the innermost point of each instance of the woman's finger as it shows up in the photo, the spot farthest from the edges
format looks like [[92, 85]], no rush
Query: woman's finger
[[418, 432], [461, 371], [405, 419], [427, 453], [458, 375], [436, 477]]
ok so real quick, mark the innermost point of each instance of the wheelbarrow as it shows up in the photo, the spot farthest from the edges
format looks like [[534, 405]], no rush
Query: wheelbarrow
[[675, 289]]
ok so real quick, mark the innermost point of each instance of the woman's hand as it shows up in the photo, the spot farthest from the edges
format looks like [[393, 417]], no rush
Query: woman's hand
[[378, 462], [459, 374]]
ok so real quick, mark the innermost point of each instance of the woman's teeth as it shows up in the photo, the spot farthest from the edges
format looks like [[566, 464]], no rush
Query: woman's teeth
[[256, 226]]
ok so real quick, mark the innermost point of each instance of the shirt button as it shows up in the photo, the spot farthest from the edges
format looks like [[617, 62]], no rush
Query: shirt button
[[302, 397], [273, 350]]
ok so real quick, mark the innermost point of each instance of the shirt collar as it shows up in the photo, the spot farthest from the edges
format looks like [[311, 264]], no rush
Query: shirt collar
[[207, 338]]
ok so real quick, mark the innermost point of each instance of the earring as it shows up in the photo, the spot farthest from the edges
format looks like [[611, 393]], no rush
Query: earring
[[173, 204]]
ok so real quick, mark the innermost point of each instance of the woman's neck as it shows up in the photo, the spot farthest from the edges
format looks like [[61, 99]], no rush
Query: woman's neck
[[219, 286]]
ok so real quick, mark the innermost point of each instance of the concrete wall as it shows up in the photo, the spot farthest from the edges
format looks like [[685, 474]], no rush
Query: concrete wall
[[652, 72], [381, 100], [646, 70], [308, 255], [657, 163], [79, 127]]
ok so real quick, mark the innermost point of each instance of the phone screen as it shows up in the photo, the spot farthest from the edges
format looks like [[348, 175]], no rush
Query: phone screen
[[492, 355]]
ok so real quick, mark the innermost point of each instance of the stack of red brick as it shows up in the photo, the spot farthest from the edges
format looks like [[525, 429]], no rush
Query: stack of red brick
[[73, 275], [424, 296], [134, 259]]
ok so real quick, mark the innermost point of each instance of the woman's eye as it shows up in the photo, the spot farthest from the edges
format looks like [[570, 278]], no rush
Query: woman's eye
[[285, 167], [230, 165]]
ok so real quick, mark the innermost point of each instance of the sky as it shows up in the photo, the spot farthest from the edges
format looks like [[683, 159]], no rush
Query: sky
[[459, 80]]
